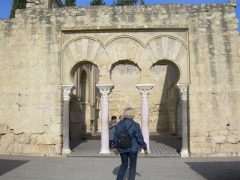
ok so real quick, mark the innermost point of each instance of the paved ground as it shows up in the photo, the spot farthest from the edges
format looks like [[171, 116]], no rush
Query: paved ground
[[86, 168], [161, 145]]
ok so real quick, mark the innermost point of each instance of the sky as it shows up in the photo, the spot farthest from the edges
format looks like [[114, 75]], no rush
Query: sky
[[5, 5]]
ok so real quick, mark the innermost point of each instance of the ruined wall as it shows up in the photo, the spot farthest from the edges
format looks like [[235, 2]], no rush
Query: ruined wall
[[30, 58], [30, 108], [43, 4], [214, 89]]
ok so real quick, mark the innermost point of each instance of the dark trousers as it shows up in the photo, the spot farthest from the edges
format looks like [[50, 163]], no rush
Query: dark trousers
[[110, 144], [133, 163]]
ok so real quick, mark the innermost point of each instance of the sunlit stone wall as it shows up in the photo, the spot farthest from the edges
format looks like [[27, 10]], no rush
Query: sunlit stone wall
[[32, 50]]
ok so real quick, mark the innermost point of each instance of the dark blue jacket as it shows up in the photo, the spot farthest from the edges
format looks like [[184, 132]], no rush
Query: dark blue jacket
[[136, 134]]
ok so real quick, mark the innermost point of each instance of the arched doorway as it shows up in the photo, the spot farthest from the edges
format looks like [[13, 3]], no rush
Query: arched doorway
[[125, 74], [164, 75], [164, 119], [84, 102]]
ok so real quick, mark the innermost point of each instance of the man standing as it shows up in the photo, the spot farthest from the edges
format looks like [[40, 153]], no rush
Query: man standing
[[112, 127], [128, 140]]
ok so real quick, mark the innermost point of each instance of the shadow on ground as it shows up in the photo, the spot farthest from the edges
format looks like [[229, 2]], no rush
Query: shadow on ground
[[167, 139], [8, 165], [89, 137], [223, 170], [115, 171]]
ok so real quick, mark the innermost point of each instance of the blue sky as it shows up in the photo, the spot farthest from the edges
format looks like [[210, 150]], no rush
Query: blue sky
[[5, 5]]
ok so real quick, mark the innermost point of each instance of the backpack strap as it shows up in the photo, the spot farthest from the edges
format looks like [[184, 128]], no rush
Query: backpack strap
[[129, 126]]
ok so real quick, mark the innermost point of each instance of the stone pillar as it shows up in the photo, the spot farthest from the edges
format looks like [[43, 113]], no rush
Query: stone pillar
[[144, 90], [179, 117], [66, 97], [184, 115], [104, 90]]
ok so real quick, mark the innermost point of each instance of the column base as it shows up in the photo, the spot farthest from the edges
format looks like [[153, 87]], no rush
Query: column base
[[104, 152], [66, 151], [184, 153]]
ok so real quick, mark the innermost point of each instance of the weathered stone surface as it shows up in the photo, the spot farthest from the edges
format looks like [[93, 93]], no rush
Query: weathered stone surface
[[40, 47], [3, 129]]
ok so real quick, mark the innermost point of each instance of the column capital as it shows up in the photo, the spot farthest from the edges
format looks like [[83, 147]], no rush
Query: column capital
[[183, 90], [144, 89], [104, 89], [67, 91]]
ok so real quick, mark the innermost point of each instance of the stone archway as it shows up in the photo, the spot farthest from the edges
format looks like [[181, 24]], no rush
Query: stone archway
[[81, 103], [164, 74], [84, 104], [125, 74], [84, 101], [169, 50], [114, 51]]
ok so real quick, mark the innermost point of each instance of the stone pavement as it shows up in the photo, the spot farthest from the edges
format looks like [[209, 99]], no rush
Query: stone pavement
[[89, 168], [161, 145]]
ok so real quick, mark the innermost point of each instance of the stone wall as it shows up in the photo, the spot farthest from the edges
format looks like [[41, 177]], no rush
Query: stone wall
[[30, 108], [43, 4], [214, 89], [30, 58]]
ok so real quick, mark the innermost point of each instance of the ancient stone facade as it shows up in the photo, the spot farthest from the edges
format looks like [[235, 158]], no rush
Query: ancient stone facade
[[165, 45]]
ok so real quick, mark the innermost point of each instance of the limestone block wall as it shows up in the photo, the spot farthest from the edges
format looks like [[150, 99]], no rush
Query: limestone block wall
[[30, 108], [44, 4], [214, 89], [30, 72]]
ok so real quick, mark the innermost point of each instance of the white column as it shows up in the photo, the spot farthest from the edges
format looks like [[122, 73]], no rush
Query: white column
[[66, 98], [144, 90], [104, 90], [179, 117], [184, 115]]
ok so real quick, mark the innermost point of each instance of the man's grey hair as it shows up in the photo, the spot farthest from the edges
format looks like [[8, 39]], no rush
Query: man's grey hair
[[129, 113]]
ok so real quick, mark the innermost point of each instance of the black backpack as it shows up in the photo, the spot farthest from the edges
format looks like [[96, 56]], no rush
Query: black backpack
[[125, 139]]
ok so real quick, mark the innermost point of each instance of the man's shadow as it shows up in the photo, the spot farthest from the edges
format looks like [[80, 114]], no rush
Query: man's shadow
[[115, 171]]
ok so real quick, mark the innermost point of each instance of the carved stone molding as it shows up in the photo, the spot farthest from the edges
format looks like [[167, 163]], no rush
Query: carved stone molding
[[67, 91], [184, 91], [104, 89], [144, 89]]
